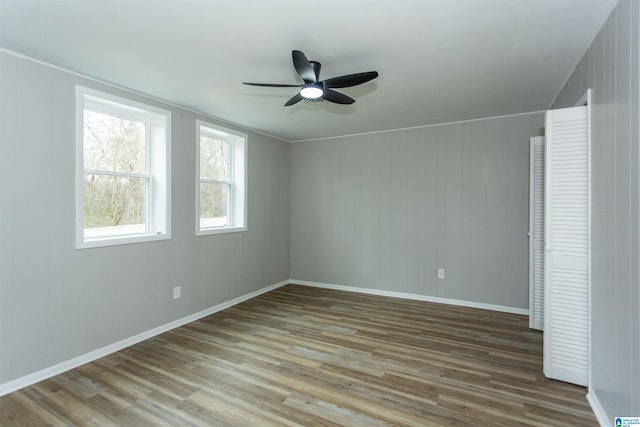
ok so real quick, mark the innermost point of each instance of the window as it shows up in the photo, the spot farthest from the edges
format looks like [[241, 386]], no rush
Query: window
[[122, 171], [221, 180]]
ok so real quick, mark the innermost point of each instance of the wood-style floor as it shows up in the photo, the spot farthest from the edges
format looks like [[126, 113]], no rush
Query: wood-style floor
[[306, 356]]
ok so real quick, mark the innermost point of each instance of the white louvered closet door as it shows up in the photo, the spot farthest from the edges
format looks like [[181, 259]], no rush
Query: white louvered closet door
[[536, 233], [566, 298]]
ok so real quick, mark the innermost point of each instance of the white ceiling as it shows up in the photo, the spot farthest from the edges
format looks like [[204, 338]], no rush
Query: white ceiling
[[439, 60]]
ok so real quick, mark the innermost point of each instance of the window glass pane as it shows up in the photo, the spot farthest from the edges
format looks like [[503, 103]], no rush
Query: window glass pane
[[214, 205], [113, 144], [113, 205], [214, 159]]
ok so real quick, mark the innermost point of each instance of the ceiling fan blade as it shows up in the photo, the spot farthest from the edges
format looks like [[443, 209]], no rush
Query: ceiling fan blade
[[269, 84], [316, 69], [294, 100], [350, 79], [337, 97], [303, 67]]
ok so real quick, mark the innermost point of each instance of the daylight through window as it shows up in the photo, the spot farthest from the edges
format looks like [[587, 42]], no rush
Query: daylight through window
[[123, 189], [221, 180]]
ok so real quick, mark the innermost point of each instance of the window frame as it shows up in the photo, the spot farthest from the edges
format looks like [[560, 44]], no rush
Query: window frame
[[236, 179], [157, 166]]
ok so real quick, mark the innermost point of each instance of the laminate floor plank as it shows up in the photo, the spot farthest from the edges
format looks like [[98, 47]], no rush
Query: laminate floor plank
[[303, 356]]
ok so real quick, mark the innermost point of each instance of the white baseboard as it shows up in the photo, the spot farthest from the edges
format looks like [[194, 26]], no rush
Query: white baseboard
[[417, 297], [598, 410], [59, 368]]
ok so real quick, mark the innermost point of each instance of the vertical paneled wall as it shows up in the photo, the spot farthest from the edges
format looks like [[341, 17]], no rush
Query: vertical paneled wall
[[384, 211], [611, 67], [57, 302]]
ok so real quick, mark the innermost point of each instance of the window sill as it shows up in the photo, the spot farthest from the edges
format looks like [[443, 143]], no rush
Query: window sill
[[220, 230], [121, 240]]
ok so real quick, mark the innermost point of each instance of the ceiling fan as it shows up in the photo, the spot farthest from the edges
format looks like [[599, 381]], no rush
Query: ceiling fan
[[316, 90]]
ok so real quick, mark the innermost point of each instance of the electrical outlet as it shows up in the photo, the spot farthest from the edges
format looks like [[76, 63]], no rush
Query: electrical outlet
[[441, 273], [176, 292]]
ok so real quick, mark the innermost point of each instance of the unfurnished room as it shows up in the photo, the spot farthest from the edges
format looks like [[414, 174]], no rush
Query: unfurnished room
[[320, 213]]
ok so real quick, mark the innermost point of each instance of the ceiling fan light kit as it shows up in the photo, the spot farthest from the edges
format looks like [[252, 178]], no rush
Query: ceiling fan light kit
[[311, 91], [316, 90]]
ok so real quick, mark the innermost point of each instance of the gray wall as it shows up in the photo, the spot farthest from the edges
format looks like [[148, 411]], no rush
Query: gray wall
[[57, 302], [384, 211], [611, 67]]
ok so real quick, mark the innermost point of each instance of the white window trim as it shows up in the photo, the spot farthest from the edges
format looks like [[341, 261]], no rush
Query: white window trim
[[159, 138], [238, 171]]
